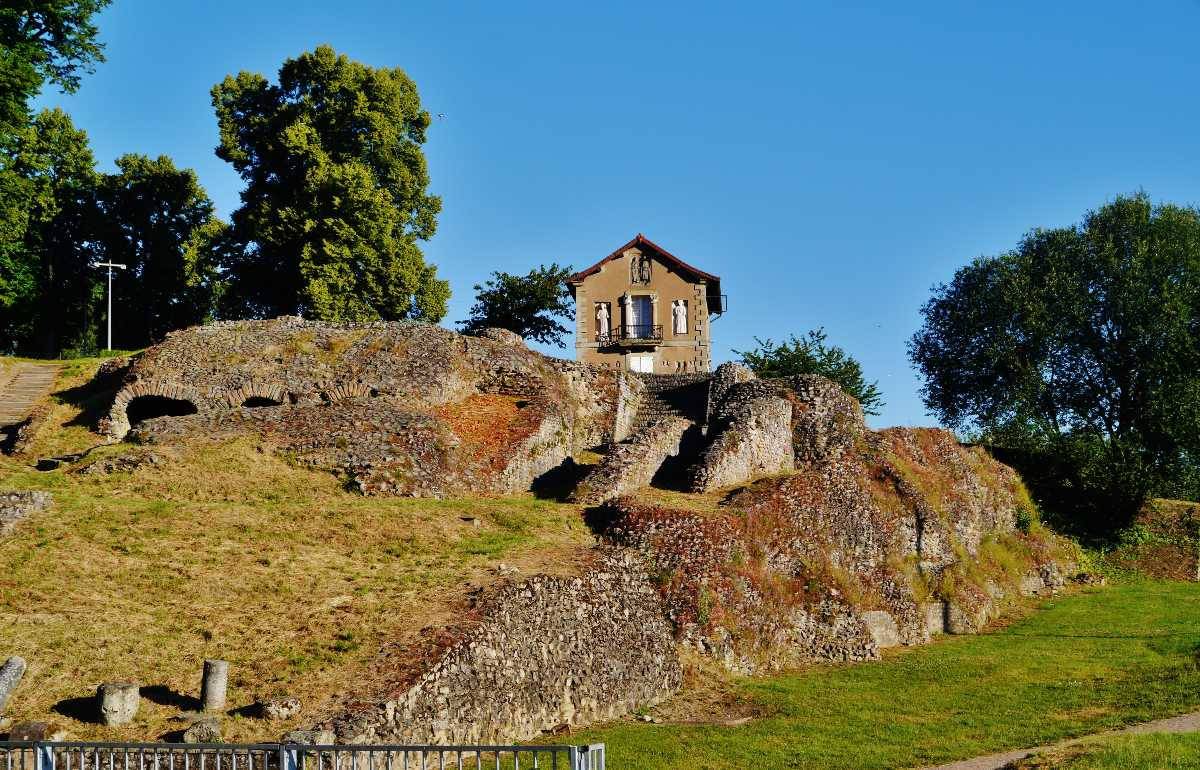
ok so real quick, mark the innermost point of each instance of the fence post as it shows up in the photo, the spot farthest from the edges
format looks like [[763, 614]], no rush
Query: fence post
[[43, 756], [288, 757]]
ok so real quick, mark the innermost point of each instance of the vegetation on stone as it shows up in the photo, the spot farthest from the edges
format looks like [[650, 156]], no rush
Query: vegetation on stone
[[811, 354]]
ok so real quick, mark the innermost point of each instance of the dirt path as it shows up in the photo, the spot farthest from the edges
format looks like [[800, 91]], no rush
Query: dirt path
[[1187, 723], [29, 384]]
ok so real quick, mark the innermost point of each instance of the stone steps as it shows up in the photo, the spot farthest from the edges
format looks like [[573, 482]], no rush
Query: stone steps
[[672, 395], [29, 384]]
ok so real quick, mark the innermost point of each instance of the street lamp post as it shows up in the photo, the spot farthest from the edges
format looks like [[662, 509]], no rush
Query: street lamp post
[[110, 266]]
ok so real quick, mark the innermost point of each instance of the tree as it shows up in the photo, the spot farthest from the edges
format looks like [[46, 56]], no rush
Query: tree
[[159, 221], [811, 355], [335, 199], [44, 41], [1078, 351], [525, 304], [46, 284]]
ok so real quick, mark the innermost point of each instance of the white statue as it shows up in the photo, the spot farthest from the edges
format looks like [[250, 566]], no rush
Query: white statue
[[679, 316], [602, 317]]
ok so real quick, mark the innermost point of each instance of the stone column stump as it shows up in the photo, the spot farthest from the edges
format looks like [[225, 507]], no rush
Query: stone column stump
[[118, 702], [213, 685], [10, 676]]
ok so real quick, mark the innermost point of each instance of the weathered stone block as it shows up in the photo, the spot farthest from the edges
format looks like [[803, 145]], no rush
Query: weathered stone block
[[882, 627], [213, 684], [37, 731], [10, 676], [279, 709], [934, 614], [117, 702], [207, 730]]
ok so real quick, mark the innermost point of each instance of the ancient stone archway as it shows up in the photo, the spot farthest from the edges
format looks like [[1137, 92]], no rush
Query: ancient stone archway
[[144, 400], [144, 408], [258, 402]]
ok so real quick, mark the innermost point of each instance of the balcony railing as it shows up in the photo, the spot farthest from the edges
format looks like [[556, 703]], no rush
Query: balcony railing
[[631, 334]]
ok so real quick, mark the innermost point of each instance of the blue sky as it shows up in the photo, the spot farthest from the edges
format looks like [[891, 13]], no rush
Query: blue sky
[[831, 161]]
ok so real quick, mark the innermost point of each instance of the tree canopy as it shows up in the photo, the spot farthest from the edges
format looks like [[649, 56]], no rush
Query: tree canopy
[[1082, 347], [335, 199], [46, 286], [158, 220], [811, 354], [44, 41], [526, 304]]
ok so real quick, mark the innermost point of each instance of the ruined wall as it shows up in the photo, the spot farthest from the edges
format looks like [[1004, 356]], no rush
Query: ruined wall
[[751, 430], [400, 408], [544, 652], [631, 464], [889, 540]]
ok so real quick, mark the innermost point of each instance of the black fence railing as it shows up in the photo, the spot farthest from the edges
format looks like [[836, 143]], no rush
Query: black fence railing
[[631, 333]]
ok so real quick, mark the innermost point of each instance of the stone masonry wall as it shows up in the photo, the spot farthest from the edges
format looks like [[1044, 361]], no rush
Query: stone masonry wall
[[399, 408], [752, 436], [631, 464], [545, 652]]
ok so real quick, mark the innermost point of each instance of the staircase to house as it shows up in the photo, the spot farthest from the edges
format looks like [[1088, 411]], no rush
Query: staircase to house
[[672, 395]]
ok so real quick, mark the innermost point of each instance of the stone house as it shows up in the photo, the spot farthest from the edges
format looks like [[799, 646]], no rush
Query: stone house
[[643, 309]]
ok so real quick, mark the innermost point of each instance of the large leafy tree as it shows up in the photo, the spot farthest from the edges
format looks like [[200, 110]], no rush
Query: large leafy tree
[[527, 304], [44, 41], [46, 283], [812, 354], [1078, 351], [157, 220], [335, 201]]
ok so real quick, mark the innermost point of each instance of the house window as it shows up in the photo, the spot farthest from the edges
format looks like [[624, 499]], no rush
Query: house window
[[639, 317]]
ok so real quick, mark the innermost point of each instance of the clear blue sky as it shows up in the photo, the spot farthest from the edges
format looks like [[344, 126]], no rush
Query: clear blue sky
[[831, 161]]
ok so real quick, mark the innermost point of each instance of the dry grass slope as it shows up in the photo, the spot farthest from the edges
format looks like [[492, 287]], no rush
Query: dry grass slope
[[229, 551]]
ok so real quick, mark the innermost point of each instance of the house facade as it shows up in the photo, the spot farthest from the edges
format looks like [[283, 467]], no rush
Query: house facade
[[645, 310]]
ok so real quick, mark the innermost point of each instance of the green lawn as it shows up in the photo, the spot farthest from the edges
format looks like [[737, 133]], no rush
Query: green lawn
[[1126, 752], [1085, 663]]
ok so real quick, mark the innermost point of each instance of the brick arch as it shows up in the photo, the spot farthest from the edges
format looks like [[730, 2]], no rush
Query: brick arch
[[117, 425]]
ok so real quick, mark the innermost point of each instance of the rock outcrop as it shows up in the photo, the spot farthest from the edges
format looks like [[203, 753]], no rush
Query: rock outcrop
[[399, 408]]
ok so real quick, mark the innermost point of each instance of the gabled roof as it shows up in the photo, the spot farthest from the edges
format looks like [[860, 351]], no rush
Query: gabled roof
[[645, 244], [716, 303]]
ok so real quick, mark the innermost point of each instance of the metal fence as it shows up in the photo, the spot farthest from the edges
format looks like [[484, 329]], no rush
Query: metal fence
[[71, 755]]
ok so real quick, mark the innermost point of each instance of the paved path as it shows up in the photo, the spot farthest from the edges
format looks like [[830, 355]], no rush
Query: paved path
[[28, 384], [1188, 723]]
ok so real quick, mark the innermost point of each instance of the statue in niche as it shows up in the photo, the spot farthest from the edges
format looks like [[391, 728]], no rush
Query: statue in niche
[[639, 269], [679, 316], [602, 318]]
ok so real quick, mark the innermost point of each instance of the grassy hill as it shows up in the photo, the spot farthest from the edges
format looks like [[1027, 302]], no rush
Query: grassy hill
[[229, 551]]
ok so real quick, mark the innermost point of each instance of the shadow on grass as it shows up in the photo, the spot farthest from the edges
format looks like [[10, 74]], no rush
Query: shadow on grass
[[166, 696], [79, 709]]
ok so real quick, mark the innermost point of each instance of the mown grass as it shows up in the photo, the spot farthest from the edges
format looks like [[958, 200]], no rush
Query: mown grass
[[228, 551], [1082, 664], [1123, 752]]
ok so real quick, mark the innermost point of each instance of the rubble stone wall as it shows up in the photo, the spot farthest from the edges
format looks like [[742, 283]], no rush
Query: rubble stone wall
[[631, 464], [544, 652], [368, 400]]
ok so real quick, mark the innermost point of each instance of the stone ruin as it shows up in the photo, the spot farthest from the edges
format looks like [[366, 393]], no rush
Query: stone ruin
[[830, 541], [399, 408]]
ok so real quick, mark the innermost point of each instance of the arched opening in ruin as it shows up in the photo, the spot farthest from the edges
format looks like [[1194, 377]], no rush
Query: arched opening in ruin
[[258, 402], [148, 407]]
